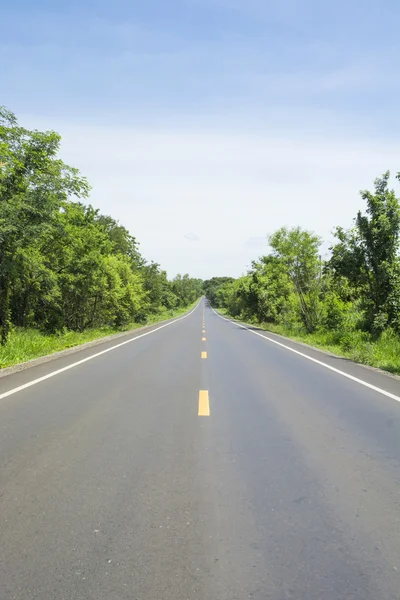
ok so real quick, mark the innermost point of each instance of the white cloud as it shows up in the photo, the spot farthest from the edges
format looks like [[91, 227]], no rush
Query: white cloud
[[228, 187], [192, 237]]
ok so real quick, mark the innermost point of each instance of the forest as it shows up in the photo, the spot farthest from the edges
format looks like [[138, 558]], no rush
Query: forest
[[65, 268], [348, 302]]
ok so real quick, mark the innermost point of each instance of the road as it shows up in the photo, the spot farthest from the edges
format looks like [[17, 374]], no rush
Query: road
[[154, 471]]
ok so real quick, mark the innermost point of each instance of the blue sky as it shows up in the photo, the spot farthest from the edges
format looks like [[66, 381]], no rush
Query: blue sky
[[252, 114]]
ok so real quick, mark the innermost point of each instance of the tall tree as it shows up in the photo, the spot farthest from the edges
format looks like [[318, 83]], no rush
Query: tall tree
[[270, 289], [298, 250], [121, 240], [368, 255], [34, 183]]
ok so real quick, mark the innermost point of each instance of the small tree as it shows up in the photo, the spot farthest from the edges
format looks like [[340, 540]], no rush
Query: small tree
[[298, 250]]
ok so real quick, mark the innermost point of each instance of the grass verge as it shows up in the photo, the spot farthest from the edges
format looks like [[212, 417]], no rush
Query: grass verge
[[27, 344], [382, 353]]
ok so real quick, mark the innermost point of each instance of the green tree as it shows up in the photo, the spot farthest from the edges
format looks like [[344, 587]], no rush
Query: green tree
[[76, 250], [186, 289], [211, 286], [34, 183], [234, 296], [271, 290], [298, 251], [62, 263], [123, 295], [155, 281], [121, 240], [367, 256]]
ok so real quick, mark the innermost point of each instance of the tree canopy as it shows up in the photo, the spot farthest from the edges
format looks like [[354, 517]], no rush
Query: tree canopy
[[63, 265], [357, 288]]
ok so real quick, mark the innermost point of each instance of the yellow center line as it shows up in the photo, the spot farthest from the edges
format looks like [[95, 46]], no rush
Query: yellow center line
[[204, 404], [203, 331], [204, 355], [203, 339]]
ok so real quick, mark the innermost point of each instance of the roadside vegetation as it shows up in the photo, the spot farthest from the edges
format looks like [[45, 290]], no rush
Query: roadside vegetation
[[348, 304], [25, 344], [68, 274]]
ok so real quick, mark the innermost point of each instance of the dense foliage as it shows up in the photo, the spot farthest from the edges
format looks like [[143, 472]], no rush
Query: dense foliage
[[63, 265], [211, 286], [352, 296]]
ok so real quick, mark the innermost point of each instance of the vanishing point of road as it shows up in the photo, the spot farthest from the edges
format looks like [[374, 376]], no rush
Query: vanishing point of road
[[199, 460]]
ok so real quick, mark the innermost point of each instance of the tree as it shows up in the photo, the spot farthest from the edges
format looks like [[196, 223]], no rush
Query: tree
[[34, 184], [270, 290], [62, 263], [298, 251], [211, 286], [124, 293], [155, 281], [234, 296], [186, 289], [367, 256], [121, 240]]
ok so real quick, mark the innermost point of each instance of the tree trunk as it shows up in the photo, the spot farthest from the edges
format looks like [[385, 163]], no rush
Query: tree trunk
[[4, 307]]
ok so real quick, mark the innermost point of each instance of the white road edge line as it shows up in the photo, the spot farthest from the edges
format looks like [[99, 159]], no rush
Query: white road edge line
[[80, 362], [318, 362]]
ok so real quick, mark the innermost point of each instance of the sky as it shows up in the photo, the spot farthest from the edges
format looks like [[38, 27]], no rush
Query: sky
[[205, 125]]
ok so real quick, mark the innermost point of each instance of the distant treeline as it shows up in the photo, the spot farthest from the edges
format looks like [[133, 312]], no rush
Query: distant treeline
[[353, 296], [63, 265]]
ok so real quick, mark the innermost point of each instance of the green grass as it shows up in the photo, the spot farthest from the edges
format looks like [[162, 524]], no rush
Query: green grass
[[383, 353], [168, 314], [27, 344]]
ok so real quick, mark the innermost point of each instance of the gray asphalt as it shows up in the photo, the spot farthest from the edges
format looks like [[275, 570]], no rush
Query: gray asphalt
[[113, 488]]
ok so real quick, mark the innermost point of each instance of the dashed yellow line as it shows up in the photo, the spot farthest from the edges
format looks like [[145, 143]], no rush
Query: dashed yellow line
[[204, 404]]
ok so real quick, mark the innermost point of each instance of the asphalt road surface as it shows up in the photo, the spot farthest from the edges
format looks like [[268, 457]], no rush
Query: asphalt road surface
[[174, 467]]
